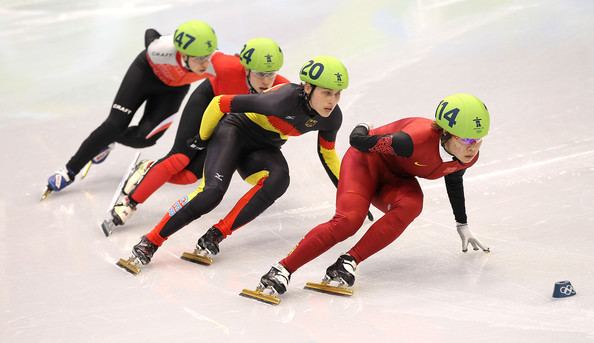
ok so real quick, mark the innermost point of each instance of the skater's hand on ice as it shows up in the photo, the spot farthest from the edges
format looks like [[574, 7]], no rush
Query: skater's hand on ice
[[369, 216], [467, 237], [197, 143]]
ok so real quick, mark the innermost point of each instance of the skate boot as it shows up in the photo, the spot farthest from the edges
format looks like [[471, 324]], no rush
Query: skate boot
[[206, 247], [272, 284], [141, 255], [120, 213], [136, 176], [57, 182], [341, 273]]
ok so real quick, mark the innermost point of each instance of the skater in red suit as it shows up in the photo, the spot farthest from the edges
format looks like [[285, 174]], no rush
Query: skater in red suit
[[160, 77], [381, 168], [252, 129], [253, 71]]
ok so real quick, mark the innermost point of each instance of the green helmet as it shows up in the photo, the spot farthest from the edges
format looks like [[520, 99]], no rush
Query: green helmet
[[195, 38], [325, 71], [463, 115], [261, 55]]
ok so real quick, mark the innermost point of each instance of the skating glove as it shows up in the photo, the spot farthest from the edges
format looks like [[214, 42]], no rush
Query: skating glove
[[369, 216], [197, 143], [467, 237]]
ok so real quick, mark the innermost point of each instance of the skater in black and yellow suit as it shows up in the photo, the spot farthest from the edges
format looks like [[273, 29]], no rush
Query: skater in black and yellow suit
[[252, 128]]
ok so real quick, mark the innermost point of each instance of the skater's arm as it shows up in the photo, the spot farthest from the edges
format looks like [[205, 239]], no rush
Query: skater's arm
[[398, 143], [213, 114], [455, 188], [328, 155]]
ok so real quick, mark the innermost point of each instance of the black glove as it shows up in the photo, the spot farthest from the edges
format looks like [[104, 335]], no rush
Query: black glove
[[360, 139], [197, 143], [369, 216]]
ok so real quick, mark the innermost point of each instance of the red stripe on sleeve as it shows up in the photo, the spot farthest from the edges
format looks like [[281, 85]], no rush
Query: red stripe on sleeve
[[326, 144], [225, 103]]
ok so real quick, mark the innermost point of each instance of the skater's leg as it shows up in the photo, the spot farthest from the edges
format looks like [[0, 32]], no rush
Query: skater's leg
[[355, 190], [180, 155], [269, 172], [159, 112], [132, 93], [221, 161], [403, 202]]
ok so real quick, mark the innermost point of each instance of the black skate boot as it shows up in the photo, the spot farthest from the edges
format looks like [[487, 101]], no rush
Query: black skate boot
[[206, 247], [272, 284], [277, 278], [341, 272], [141, 255]]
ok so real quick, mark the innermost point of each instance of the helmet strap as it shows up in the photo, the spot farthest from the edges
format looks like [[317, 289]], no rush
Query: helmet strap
[[249, 83], [186, 60], [306, 97]]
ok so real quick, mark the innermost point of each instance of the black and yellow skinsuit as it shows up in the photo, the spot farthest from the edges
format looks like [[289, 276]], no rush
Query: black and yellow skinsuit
[[251, 128]]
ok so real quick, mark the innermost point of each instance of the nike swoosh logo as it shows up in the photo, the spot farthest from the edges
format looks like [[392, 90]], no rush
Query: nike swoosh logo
[[420, 164]]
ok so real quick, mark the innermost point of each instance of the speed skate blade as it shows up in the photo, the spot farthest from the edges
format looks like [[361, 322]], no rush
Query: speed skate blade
[[258, 295], [86, 169], [326, 288], [107, 226], [129, 266], [195, 258], [46, 193]]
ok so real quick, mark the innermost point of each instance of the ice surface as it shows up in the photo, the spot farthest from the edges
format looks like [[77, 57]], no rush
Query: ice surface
[[529, 198]]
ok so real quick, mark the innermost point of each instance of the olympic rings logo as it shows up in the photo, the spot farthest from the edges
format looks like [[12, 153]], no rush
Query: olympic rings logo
[[567, 290]]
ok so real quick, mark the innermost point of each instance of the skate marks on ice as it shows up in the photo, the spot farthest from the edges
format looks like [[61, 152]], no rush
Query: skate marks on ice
[[108, 225]]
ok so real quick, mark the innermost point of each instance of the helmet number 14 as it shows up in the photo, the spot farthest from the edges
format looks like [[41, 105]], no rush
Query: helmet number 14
[[450, 115], [246, 55]]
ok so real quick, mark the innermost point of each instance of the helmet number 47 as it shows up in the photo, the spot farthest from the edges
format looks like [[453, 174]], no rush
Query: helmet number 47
[[450, 115], [180, 37]]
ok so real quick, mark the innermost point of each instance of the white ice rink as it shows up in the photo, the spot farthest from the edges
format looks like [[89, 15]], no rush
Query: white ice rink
[[530, 197]]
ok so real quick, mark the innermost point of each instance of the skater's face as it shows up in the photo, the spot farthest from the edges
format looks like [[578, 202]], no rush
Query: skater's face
[[464, 149], [198, 64], [261, 81], [322, 100]]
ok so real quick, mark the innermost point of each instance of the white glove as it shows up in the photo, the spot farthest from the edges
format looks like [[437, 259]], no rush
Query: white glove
[[467, 237]]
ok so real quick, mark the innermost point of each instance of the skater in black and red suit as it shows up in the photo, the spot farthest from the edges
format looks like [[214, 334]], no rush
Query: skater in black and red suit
[[253, 128], [253, 71], [160, 77]]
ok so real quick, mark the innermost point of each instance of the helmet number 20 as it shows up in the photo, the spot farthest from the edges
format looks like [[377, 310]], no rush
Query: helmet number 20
[[179, 39], [314, 70], [450, 115]]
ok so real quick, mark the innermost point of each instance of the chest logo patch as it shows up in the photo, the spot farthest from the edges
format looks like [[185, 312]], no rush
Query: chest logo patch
[[311, 122]]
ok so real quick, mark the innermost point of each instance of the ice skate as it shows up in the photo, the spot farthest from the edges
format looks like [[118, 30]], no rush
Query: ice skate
[[206, 247], [272, 284], [119, 214], [339, 278], [108, 225], [141, 255], [136, 176], [99, 158], [57, 182]]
